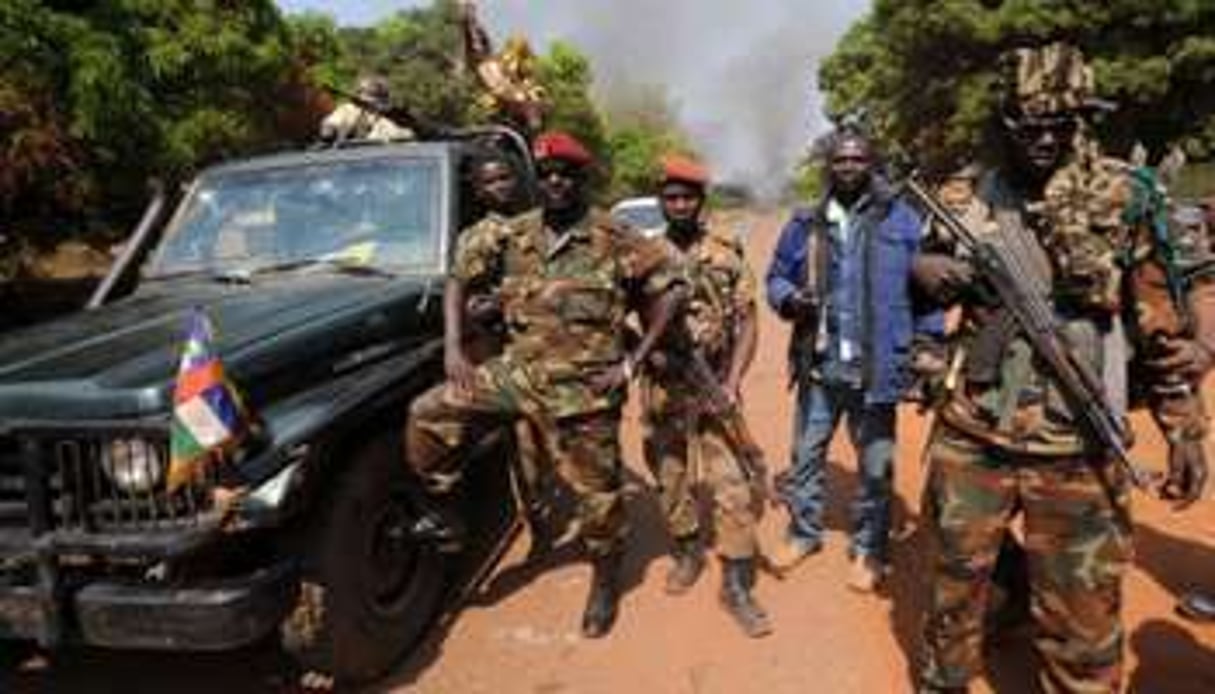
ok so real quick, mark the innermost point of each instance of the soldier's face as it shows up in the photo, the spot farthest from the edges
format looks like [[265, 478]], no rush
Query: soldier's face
[[1042, 143], [560, 184], [681, 204], [497, 185], [851, 163]]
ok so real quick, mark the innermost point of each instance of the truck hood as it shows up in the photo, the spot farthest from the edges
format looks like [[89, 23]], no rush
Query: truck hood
[[119, 361]]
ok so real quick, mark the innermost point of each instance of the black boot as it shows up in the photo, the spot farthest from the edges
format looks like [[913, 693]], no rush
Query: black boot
[[1197, 607], [689, 563], [439, 522], [738, 575], [604, 596]]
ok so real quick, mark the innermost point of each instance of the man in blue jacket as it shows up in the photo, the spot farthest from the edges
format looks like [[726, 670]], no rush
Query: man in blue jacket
[[840, 274]]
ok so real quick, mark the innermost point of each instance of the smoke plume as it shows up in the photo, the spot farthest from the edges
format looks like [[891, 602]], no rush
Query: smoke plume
[[740, 74]]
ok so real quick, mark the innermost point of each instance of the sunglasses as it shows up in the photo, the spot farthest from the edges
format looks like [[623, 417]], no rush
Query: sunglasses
[[559, 169], [1031, 130]]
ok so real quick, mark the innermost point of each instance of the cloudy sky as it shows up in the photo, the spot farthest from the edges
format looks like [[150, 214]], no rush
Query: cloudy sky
[[741, 73]]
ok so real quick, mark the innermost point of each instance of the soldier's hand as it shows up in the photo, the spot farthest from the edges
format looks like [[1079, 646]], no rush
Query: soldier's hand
[[611, 379], [733, 391], [929, 359], [1184, 357], [1187, 476], [941, 276], [484, 309], [461, 374], [798, 306]]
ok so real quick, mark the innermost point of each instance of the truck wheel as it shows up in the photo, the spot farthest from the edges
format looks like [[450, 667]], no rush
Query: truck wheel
[[373, 590]]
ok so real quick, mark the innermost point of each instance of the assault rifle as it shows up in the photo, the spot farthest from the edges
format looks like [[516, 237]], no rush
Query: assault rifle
[[732, 423], [1006, 274]]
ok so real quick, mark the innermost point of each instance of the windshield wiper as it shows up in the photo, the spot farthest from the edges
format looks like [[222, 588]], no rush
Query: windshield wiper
[[338, 265], [245, 275]]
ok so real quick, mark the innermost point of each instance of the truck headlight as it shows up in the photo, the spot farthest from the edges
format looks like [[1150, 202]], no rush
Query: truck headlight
[[135, 466]]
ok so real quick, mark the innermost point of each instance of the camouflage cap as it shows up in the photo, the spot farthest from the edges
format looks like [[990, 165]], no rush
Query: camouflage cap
[[374, 88], [1048, 80]]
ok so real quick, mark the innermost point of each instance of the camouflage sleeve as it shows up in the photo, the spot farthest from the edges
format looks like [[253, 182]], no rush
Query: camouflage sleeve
[[477, 253], [649, 265], [1166, 256], [1083, 207], [745, 289]]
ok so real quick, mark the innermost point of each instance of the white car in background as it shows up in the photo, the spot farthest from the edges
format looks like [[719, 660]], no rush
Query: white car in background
[[644, 214]]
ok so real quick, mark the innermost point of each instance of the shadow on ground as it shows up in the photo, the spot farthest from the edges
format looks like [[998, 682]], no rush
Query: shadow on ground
[[646, 542]]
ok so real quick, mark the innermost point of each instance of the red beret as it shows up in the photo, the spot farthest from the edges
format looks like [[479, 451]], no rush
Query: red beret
[[684, 170], [558, 145]]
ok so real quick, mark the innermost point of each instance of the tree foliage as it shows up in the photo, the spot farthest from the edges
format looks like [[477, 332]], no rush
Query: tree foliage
[[110, 93], [566, 76], [99, 96], [926, 70], [642, 128], [418, 50]]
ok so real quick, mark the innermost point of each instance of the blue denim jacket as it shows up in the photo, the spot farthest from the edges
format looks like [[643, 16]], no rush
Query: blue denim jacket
[[889, 318]]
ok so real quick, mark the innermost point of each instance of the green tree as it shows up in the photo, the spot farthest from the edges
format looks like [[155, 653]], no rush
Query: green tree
[[641, 129], [566, 76], [123, 90], [926, 71], [420, 51]]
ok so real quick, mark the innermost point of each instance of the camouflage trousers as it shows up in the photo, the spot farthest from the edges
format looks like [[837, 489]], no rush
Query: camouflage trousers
[[683, 451], [584, 449], [1078, 544]]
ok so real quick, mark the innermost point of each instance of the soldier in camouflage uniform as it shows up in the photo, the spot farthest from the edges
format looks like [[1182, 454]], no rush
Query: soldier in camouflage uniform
[[512, 91], [476, 312], [1008, 441], [362, 118], [569, 278], [684, 442]]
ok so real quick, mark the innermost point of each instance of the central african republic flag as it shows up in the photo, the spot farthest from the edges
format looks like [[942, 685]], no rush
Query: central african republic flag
[[209, 417]]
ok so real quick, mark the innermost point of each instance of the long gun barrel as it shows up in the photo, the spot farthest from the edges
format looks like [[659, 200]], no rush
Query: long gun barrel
[[1006, 275]]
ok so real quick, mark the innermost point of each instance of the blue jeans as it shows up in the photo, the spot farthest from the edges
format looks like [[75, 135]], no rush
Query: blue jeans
[[871, 429]]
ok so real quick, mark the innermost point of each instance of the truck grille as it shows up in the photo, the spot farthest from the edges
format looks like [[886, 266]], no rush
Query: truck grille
[[14, 514], [73, 492]]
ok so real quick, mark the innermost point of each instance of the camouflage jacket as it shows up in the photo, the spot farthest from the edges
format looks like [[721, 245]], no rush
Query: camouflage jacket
[[722, 291], [1095, 253], [565, 299]]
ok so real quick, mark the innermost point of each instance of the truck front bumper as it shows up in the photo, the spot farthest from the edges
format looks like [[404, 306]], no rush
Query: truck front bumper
[[215, 616]]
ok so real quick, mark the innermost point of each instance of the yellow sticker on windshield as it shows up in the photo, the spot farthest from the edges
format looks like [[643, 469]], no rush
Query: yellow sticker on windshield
[[359, 253]]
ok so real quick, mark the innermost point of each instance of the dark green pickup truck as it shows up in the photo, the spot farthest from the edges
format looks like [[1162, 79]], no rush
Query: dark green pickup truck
[[323, 272]]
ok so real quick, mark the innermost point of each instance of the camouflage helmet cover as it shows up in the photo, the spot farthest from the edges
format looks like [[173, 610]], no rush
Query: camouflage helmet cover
[[374, 88], [1049, 80]]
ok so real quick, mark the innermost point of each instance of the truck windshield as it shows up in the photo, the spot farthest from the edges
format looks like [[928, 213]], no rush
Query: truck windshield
[[382, 215]]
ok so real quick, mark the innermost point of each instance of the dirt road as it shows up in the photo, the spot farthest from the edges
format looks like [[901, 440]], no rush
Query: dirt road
[[521, 633]]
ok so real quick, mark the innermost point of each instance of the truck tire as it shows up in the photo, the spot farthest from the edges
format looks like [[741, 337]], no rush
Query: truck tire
[[373, 590]]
